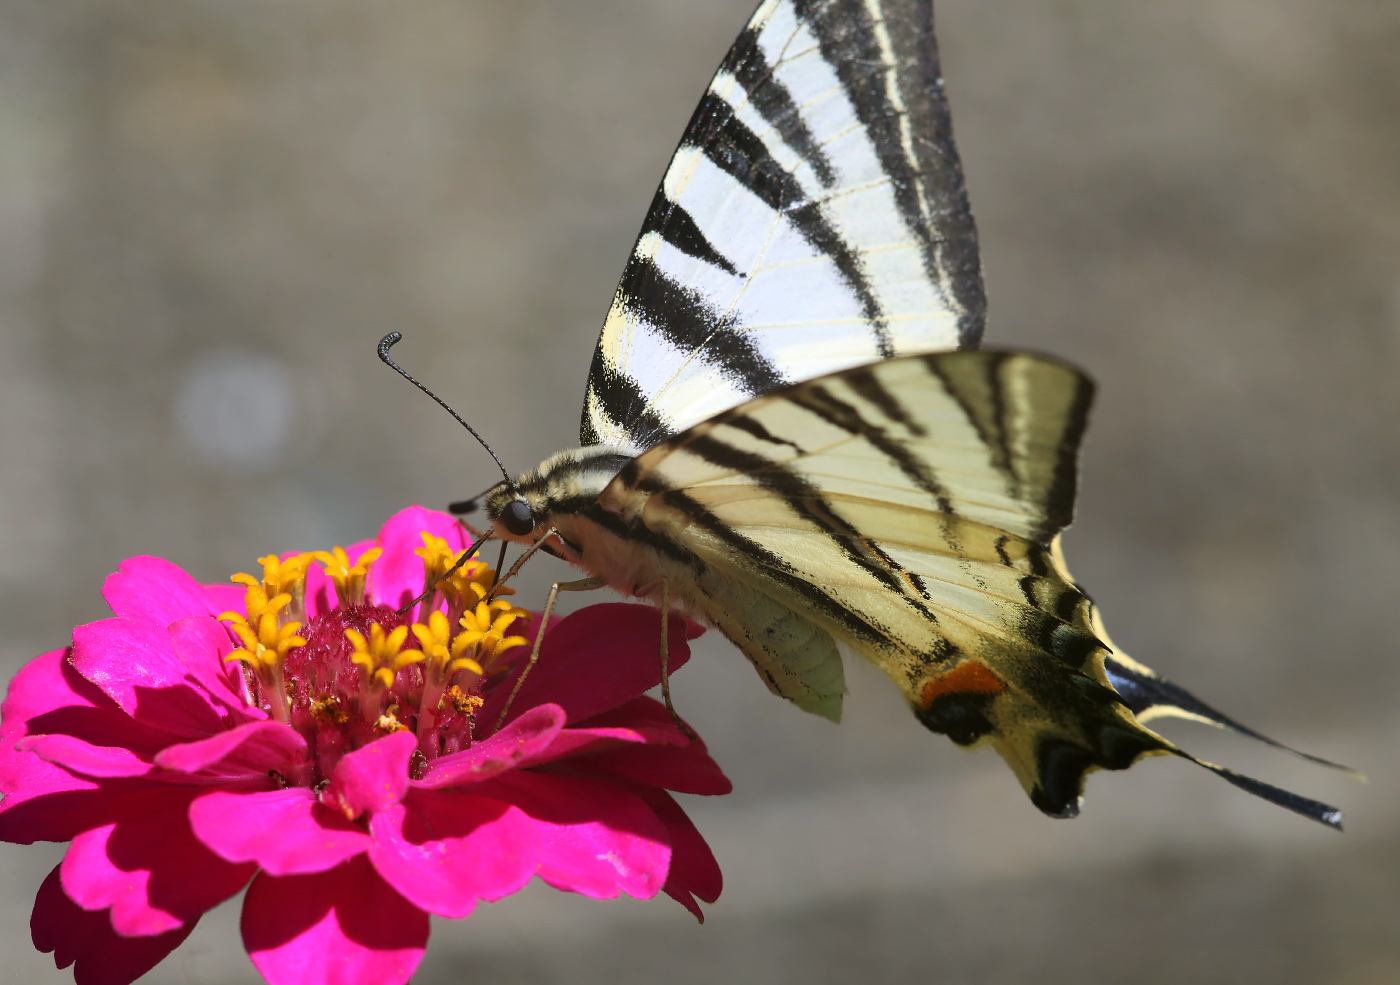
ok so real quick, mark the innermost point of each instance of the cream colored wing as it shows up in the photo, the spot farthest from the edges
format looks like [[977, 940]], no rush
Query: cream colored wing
[[911, 509]]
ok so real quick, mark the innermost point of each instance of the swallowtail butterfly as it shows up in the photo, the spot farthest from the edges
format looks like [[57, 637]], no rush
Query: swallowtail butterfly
[[790, 434]]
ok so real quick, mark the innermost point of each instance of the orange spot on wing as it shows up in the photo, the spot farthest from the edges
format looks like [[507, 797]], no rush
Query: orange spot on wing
[[969, 677]]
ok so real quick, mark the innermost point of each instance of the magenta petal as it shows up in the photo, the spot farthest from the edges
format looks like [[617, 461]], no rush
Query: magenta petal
[[44, 802], [50, 696], [225, 598], [83, 757], [443, 851], [694, 872], [252, 748], [136, 665], [287, 832], [45, 684], [674, 763], [597, 839], [595, 659], [527, 736], [201, 644], [151, 589], [397, 576], [373, 777], [584, 741], [342, 927], [103, 956], [148, 867]]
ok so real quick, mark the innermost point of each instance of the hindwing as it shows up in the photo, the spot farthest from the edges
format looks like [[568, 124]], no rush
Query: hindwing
[[911, 509]]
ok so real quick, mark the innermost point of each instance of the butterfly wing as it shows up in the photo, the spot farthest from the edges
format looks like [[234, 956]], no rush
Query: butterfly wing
[[813, 218], [911, 509]]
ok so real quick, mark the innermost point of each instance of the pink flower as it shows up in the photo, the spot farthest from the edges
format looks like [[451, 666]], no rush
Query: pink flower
[[359, 784]]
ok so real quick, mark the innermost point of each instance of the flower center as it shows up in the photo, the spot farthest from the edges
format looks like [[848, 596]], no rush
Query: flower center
[[360, 670]]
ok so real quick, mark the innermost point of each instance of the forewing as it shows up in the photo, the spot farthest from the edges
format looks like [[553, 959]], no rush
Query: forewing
[[911, 509], [813, 218]]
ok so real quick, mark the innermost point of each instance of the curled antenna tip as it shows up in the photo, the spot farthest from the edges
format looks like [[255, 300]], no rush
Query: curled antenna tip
[[386, 343], [389, 340]]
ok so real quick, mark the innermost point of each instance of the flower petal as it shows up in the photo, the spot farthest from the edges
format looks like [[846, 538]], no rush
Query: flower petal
[[152, 589], [201, 643], [597, 839], [341, 927], [287, 832], [225, 598], [103, 956], [48, 695], [443, 851], [251, 748], [529, 735], [694, 871], [373, 777], [84, 758], [148, 867], [136, 665], [44, 802], [671, 761], [397, 576], [595, 659]]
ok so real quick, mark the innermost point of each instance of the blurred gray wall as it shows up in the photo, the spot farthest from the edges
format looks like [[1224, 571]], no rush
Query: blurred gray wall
[[211, 210]]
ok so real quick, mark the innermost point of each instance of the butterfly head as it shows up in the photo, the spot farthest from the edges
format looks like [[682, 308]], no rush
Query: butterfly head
[[512, 515]]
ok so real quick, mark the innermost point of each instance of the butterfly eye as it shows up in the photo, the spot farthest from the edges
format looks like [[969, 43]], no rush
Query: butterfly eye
[[517, 518]]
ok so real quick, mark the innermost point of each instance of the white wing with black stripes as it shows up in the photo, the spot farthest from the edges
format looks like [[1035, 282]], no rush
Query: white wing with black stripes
[[813, 218]]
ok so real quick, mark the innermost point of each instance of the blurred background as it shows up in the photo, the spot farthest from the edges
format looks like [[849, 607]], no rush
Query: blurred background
[[211, 211]]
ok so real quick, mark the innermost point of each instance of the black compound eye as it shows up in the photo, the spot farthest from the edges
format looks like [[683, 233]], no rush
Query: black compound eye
[[517, 518]]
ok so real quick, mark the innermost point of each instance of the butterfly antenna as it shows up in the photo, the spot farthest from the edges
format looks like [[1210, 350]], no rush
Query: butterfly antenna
[[385, 344]]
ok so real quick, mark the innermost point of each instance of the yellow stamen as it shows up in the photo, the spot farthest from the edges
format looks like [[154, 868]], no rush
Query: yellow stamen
[[485, 628], [379, 659], [265, 644], [444, 656], [279, 576], [349, 579]]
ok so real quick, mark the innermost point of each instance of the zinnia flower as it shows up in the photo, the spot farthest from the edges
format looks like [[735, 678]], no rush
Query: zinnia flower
[[345, 760]]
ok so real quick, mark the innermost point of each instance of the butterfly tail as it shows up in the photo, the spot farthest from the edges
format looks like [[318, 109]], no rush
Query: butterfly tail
[[1150, 696]]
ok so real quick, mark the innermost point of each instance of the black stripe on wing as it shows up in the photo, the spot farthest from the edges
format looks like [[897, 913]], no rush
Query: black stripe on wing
[[621, 400], [681, 317], [678, 228], [737, 151], [945, 227], [774, 103]]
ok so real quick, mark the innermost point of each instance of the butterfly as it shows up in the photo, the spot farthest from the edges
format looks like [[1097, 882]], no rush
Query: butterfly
[[789, 432]]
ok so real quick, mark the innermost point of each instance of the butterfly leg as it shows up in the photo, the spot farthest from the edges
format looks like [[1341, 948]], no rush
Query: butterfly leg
[[582, 585], [665, 657]]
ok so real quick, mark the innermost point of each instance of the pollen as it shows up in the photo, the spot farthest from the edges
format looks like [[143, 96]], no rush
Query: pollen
[[389, 721], [463, 703], [327, 709]]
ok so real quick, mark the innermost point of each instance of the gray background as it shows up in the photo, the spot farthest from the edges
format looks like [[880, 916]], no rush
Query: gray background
[[210, 211]]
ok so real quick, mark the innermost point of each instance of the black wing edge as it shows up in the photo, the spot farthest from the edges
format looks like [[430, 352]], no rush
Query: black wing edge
[[1143, 692]]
